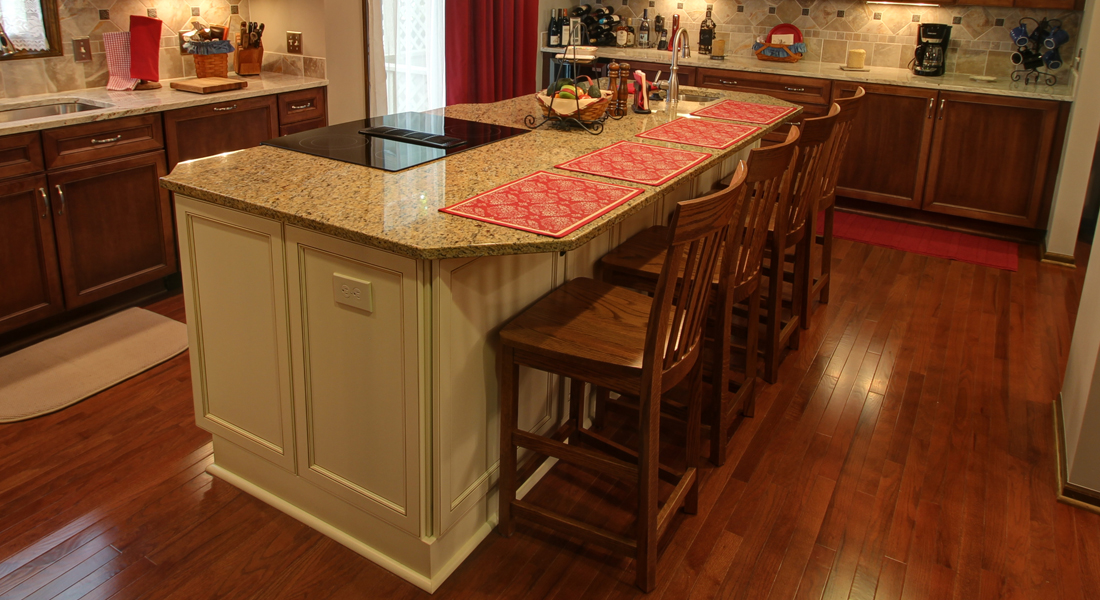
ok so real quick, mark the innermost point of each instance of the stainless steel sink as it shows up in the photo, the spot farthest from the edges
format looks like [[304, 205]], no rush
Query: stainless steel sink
[[45, 110], [700, 98]]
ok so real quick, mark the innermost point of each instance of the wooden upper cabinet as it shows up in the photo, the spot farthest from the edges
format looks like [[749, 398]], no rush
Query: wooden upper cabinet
[[202, 131], [887, 154], [114, 226], [30, 283], [990, 157]]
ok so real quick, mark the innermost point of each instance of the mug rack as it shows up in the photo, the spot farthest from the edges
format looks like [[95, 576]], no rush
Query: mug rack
[[1034, 52]]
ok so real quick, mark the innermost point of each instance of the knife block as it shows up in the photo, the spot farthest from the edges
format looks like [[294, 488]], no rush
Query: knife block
[[248, 61]]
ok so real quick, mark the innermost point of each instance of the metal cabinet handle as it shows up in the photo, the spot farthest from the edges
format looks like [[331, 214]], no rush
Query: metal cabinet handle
[[301, 106], [942, 103], [46, 201], [931, 107], [225, 108], [791, 89], [724, 82], [108, 140], [61, 194]]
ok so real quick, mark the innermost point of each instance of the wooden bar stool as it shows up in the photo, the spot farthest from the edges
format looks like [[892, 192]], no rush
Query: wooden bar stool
[[628, 342], [638, 263], [790, 231], [838, 145]]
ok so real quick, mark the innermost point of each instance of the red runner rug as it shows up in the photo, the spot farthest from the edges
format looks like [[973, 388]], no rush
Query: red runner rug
[[928, 241]]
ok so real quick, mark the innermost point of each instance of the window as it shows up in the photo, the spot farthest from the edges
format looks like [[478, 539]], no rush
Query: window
[[24, 23], [413, 39]]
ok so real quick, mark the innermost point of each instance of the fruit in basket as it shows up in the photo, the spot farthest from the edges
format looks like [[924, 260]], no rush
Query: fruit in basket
[[566, 95], [557, 85]]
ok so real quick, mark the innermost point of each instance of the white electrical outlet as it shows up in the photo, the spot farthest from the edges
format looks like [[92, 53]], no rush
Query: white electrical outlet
[[355, 293]]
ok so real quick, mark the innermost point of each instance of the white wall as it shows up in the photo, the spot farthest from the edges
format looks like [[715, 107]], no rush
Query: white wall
[[1084, 124], [1081, 387], [280, 16]]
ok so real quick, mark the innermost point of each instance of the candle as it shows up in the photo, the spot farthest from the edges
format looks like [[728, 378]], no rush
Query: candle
[[856, 59], [719, 48]]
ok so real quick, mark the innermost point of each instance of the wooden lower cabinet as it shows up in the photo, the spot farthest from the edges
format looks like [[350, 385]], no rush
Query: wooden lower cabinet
[[114, 226], [652, 69], [203, 131], [990, 156], [30, 282], [887, 155]]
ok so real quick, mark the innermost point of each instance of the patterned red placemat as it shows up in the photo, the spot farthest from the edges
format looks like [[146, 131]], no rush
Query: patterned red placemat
[[696, 132], [545, 203], [746, 112], [637, 163]]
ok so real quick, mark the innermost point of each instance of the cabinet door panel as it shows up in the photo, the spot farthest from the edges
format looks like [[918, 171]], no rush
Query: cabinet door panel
[[114, 227], [202, 131], [20, 154], [30, 283], [990, 156], [235, 280], [356, 375], [887, 154]]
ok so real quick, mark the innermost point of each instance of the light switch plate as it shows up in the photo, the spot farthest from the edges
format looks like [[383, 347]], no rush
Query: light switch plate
[[82, 49], [294, 42], [352, 292]]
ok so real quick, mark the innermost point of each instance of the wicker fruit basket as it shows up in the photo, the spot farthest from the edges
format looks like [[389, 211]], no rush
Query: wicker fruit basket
[[211, 65], [591, 109], [788, 53]]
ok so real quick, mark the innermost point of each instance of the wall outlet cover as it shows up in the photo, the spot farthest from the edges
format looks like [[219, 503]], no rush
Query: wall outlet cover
[[352, 292], [294, 42]]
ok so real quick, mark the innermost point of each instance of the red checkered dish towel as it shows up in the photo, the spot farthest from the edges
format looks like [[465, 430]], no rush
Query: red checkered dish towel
[[117, 46]]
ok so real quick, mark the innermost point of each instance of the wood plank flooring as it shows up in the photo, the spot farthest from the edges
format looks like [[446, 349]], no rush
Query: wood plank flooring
[[906, 453]]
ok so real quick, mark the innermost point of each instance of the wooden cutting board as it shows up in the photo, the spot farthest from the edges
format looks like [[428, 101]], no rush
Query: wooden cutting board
[[209, 85]]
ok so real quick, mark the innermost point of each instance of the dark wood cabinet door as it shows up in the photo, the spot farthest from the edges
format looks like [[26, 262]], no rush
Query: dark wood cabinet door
[[114, 227], [887, 156], [30, 283], [20, 154], [989, 157], [800, 90], [203, 131]]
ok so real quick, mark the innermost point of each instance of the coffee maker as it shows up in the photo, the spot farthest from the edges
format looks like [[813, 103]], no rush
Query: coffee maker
[[930, 58]]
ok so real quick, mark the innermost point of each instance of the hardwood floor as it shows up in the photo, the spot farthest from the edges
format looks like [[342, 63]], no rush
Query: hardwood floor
[[906, 452]]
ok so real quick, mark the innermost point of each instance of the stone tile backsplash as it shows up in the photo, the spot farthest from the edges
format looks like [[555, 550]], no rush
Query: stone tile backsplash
[[980, 42], [93, 18]]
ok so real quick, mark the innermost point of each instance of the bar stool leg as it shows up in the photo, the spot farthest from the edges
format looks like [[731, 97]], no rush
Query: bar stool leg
[[827, 253], [807, 280], [649, 430], [774, 329], [799, 288], [509, 421], [752, 344], [694, 434], [603, 395], [576, 406]]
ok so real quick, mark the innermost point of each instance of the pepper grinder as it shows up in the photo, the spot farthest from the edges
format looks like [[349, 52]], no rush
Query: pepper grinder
[[614, 75], [623, 93]]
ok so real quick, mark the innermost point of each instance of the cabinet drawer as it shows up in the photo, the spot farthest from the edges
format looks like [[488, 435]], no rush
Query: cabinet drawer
[[20, 154], [306, 105], [204, 131], [81, 144], [803, 90], [302, 126]]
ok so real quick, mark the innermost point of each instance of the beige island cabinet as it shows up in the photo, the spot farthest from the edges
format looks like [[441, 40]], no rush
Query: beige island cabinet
[[343, 330]]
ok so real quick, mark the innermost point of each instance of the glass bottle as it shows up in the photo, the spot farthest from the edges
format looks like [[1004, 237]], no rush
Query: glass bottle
[[706, 33], [643, 30]]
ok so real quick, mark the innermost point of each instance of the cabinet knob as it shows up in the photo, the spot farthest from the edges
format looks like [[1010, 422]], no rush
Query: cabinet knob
[[225, 108], [46, 201], [61, 195], [301, 106], [108, 140], [793, 89]]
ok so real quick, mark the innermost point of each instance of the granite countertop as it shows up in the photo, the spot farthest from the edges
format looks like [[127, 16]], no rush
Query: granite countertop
[[399, 211], [125, 104], [953, 82]]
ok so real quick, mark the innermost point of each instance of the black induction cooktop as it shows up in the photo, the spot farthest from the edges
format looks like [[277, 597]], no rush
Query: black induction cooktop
[[395, 142]]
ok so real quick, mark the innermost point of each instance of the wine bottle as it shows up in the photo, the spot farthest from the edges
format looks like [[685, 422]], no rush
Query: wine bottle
[[563, 26], [631, 34], [706, 33], [554, 29], [663, 44], [643, 30], [582, 10], [621, 35]]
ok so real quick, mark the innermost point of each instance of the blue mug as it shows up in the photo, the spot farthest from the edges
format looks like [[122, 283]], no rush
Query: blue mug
[[1019, 35], [1052, 59], [1057, 37]]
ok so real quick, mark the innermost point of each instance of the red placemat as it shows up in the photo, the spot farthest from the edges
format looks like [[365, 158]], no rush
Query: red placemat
[[637, 163], [746, 112], [696, 132], [545, 203]]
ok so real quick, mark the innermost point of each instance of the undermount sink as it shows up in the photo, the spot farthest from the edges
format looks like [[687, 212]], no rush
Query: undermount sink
[[45, 110]]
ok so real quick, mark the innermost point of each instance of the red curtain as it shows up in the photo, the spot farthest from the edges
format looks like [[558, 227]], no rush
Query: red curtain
[[492, 49]]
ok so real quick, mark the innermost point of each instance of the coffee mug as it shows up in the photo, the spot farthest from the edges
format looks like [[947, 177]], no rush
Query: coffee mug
[[1053, 59], [1019, 35], [1057, 37]]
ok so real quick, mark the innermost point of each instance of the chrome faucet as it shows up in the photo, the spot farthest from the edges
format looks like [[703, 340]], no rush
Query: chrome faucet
[[673, 95]]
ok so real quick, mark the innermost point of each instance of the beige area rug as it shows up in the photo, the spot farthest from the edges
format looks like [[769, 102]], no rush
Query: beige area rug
[[64, 370]]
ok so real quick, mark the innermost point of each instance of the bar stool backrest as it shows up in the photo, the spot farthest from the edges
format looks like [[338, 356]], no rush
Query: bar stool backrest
[[850, 109], [806, 173]]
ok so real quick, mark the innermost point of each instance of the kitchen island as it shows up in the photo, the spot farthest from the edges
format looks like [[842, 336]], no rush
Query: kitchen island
[[343, 330]]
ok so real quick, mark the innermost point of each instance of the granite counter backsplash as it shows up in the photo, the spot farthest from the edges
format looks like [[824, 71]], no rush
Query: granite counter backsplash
[[93, 18], [980, 43]]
